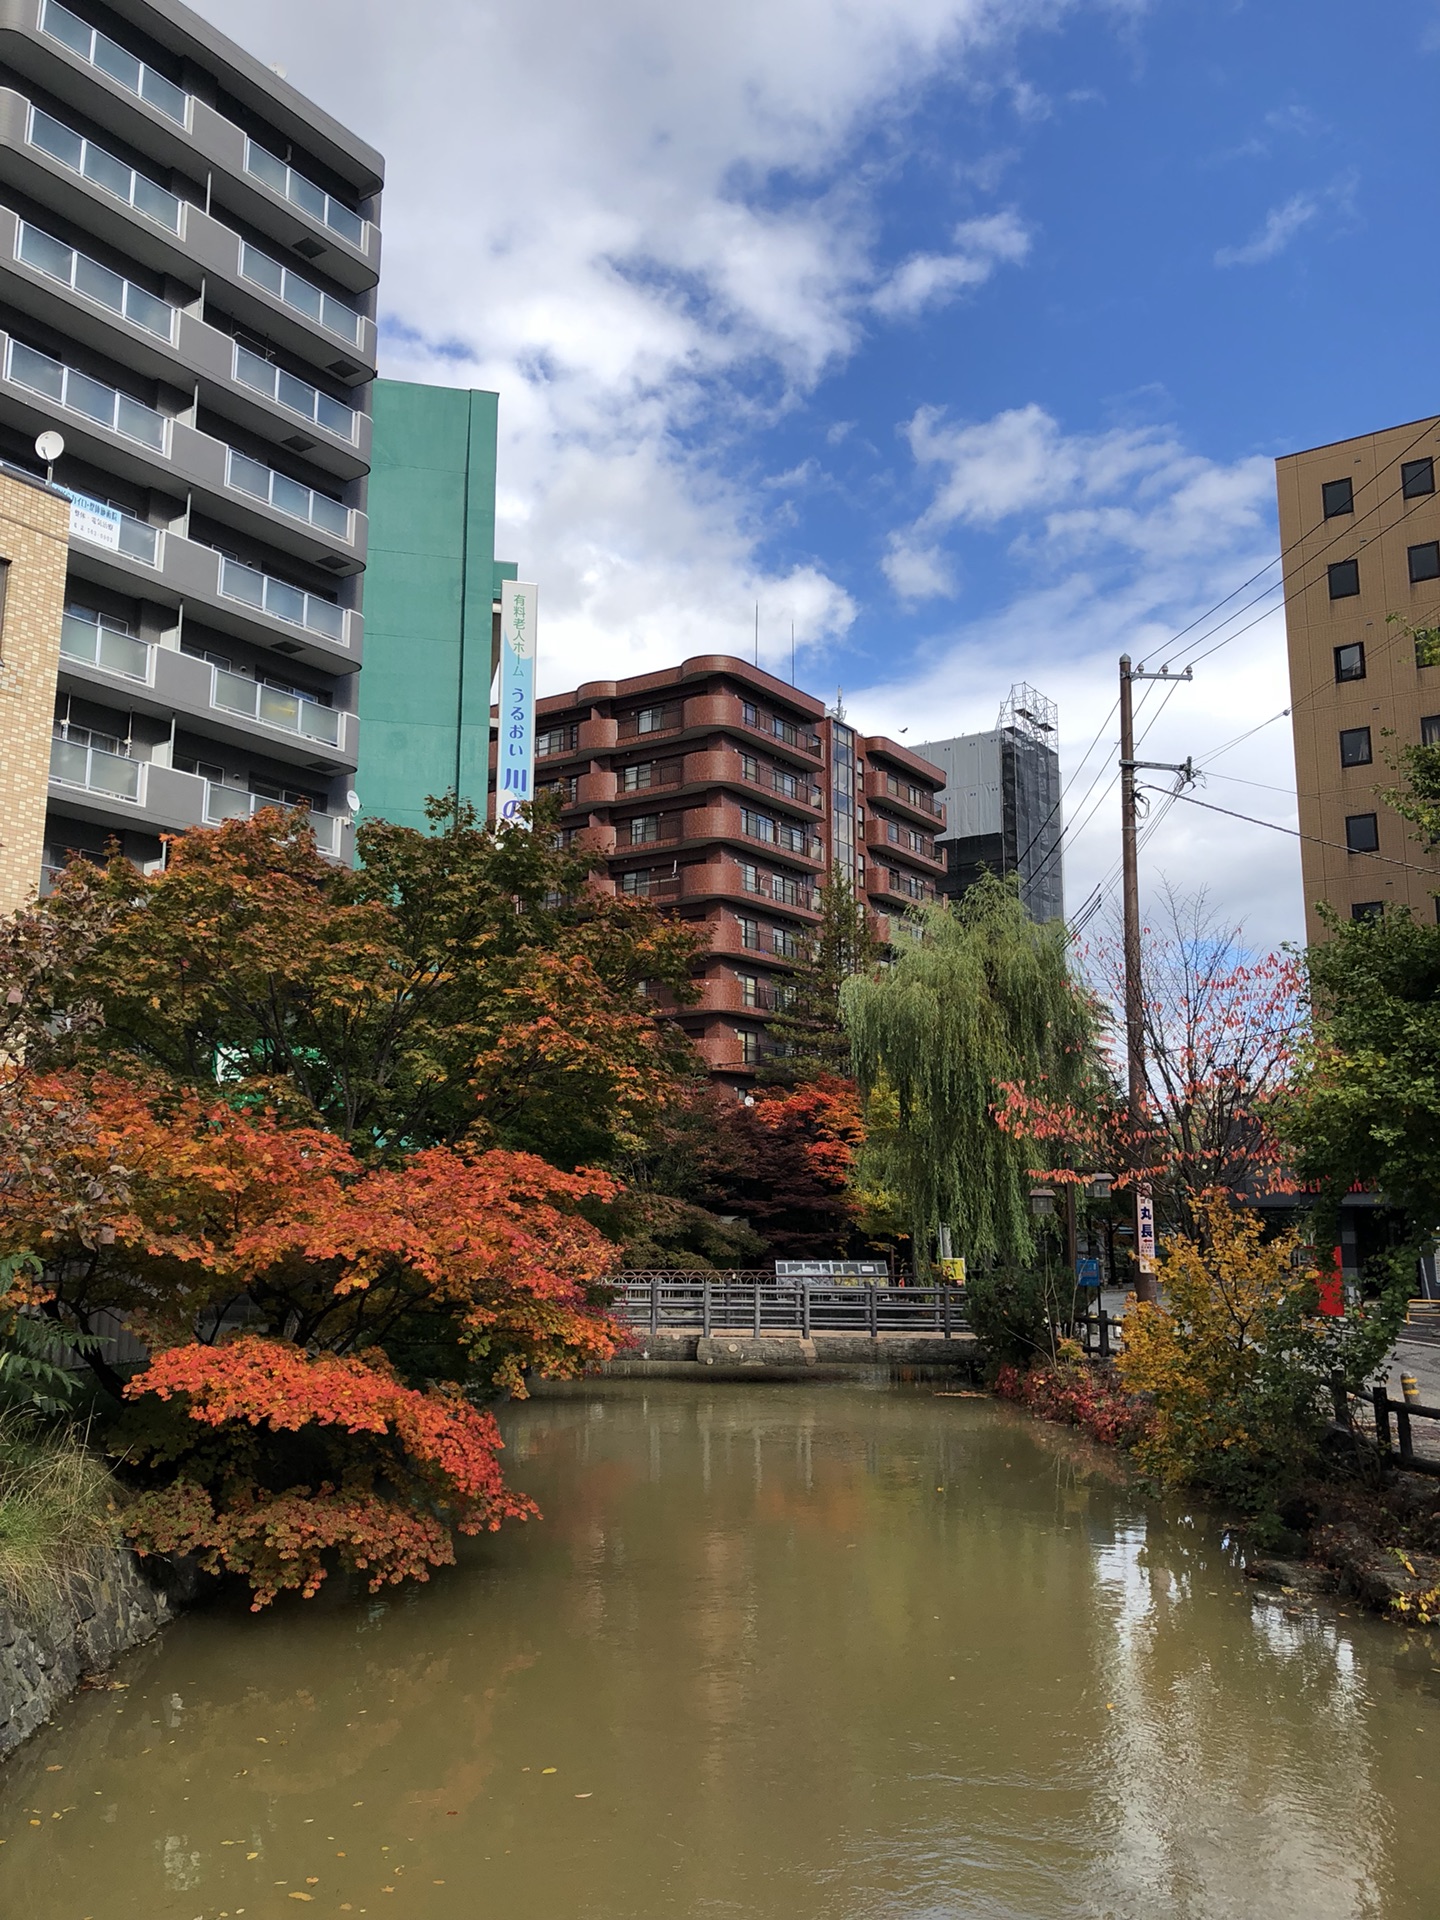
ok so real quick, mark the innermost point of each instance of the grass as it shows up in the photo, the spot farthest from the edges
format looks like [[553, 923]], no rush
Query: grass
[[57, 1505]]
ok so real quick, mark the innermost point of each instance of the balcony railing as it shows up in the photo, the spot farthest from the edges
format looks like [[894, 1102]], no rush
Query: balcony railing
[[774, 728], [771, 780], [295, 291], [263, 165], [103, 170], [274, 707], [280, 600], [234, 803], [82, 395], [94, 645], [286, 495], [113, 774], [87, 277], [110, 58], [297, 396], [101, 525]]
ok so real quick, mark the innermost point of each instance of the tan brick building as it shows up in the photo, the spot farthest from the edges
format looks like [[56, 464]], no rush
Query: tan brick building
[[1360, 530], [34, 544]]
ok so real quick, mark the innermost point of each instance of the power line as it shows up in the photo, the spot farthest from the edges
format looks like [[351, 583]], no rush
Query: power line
[[1295, 833]]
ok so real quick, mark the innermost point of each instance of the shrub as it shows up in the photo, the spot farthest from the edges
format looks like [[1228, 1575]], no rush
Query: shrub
[[57, 1505], [1075, 1394]]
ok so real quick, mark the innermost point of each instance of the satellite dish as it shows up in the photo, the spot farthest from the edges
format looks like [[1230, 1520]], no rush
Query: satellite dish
[[50, 446], [352, 800]]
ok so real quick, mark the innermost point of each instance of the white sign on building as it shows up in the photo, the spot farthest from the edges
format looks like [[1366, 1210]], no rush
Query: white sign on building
[[515, 761], [96, 522]]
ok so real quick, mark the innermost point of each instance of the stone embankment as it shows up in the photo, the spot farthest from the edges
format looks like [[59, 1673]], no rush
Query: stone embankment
[[787, 1356], [82, 1629]]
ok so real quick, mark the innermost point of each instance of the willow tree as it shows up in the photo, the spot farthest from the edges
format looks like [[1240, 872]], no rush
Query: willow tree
[[982, 998]]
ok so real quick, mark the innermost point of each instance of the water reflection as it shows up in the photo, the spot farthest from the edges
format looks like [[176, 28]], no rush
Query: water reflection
[[802, 1651]]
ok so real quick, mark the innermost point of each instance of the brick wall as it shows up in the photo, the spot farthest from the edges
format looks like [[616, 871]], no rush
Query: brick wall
[[34, 539]]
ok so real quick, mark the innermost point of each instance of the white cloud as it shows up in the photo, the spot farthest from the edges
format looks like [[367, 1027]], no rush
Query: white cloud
[[1119, 540], [645, 226], [930, 279], [917, 572], [1280, 228]]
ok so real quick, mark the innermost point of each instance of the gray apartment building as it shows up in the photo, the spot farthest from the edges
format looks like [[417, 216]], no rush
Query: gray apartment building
[[1002, 803], [189, 255]]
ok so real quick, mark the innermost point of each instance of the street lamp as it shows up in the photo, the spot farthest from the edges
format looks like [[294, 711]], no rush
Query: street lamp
[[1042, 1201], [1101, 1185]]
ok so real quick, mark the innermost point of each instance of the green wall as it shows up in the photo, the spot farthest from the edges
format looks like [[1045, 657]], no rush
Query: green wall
[[430, 584]]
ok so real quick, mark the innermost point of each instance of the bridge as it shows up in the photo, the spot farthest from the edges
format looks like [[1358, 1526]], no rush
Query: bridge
[[753, 1303]]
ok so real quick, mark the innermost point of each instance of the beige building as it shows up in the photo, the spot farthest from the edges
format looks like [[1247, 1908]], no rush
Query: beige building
[[1360, 531], [34, 547]]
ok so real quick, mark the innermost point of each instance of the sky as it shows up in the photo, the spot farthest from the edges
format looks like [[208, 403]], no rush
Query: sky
[[958, 336]]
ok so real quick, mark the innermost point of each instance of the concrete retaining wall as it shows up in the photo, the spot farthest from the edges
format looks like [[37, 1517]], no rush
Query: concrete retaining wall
[[118, 1603], [788, 1356]]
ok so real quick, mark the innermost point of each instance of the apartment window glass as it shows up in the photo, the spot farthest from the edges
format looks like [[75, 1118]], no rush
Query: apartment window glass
[[750, 713], [1417, 477], [749, 933], [1338, 497], [757, 826], [749, 768], [655, 719], [749, 989], [1350, 661], [644, 828], [1355, 747], [1344, 579], [1430, 730], [1367, 910], [556, 740], [1424, 562], [750, 1047], [636, 779], [750, 878], [1362, 833], [636, 882]]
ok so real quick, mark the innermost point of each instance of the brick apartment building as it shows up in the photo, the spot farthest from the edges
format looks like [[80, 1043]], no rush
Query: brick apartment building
[[727, 796]]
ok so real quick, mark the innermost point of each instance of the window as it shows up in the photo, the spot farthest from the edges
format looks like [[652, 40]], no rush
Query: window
[[749, 989], [749, 713], [750, 768], [567, 787], [792, 839], [636, 883], [749, 933], [1355, 747], [1417, 478], [1344, 578], [750, 1047], [636, 779], [557, 740], [1350, 661], [644, 829], [785, 943], [1362, 833], [750, 877], [1338, 496], [1424, 562], [4, 589], [1430, 730], [786, 783], [653, 719], [1368, 910], [757, 826], [203, 769]]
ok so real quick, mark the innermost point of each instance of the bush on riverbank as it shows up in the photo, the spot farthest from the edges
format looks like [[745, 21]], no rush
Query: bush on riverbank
[[1072, 1392], [57, 1505]]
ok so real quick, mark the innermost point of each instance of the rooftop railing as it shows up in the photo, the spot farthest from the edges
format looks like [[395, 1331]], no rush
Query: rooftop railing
[[113, 774], [80, 394], [93, 644], [274, 707], [280, 600], [300, 294], [277, 490], [264, 166], [297, 396], [109, 57], [103, 170], [103, 285]]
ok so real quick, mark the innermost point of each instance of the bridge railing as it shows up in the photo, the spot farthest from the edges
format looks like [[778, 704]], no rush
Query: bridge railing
[[756, 1303]]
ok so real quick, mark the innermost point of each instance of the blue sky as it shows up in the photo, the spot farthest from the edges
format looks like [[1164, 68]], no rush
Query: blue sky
[[959, 333]]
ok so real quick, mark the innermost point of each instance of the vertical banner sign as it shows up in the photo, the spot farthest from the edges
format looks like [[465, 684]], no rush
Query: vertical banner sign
[[515, 763], [1145, 1230]]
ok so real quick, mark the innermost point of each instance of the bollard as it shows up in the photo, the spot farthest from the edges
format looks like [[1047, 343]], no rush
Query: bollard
[[1410, 1387]]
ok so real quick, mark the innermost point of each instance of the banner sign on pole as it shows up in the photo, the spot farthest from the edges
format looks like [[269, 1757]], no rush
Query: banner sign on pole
[[1087, 1271], [1145, 1229], [515, 762], [96, 522]]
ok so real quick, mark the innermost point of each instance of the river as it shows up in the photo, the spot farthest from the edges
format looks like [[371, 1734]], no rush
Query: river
[[817, 1652]]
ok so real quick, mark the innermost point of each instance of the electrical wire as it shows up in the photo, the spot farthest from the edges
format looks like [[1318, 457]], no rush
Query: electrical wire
[[1337, 846]]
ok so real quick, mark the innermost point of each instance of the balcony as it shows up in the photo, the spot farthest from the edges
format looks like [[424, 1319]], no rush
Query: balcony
[[282, 601], [343, 221], [295, 395], [104, 170], [885, 788], [89, 644], [274, 707], [234, 803], [99, 524], [92, 281], [93, 770], [773, 727], [93, 400], [259, 482], [108, 57], [786, 785], [300, 295]]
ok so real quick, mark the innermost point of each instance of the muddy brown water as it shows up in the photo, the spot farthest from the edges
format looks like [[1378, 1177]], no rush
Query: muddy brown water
[[819, 1652]]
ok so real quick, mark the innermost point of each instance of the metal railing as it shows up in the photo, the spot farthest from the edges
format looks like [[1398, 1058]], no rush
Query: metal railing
[[299, 293], [108, 289], [272, 172], [96, 645], [97, 771], [754, 1302], [274, 707], [80, 394], [280, 600], [297, 396], [103, 170], [278, 490], [115, 61], [233, 803]]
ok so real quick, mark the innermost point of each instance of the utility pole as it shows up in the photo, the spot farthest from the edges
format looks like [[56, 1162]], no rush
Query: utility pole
[[1145, 1287]]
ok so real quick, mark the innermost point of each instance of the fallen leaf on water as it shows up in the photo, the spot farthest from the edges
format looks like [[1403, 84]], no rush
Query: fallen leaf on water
[[452, 1813], [261, 1741], [582, 1796], [312, 1879], [55, 1769], [302, 1896], [549, 1769], [252, 1856]]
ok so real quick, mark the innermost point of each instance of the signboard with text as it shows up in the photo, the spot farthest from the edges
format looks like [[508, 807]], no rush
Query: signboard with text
[[515, 760], [96, 522], [1145, 1230]]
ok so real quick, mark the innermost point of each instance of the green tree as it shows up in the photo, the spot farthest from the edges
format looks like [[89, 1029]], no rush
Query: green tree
[[984, 998], [807, 1035]]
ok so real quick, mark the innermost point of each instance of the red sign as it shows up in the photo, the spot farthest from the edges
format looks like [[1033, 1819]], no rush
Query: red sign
[[1332, 1290]]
